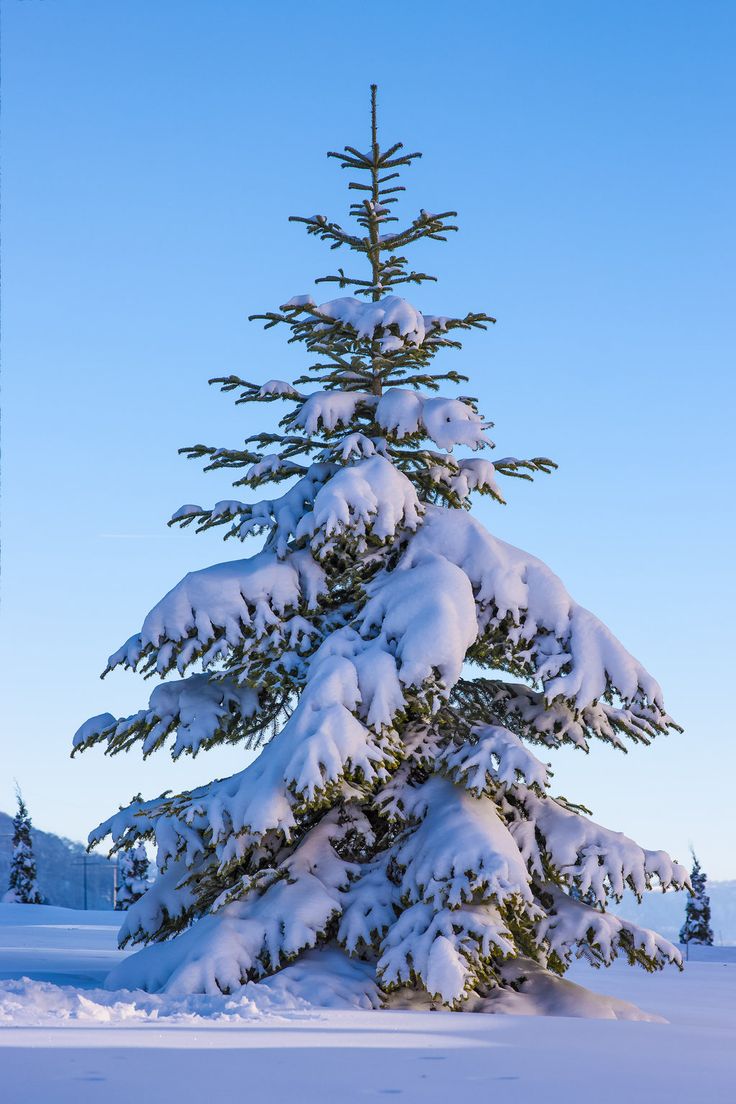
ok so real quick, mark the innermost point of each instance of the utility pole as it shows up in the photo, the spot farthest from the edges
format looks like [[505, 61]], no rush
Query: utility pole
[[84, 859], [97, 862]]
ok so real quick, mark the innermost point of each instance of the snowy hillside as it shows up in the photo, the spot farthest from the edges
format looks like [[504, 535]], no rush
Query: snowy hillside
[[68, 1035], [61, 869]]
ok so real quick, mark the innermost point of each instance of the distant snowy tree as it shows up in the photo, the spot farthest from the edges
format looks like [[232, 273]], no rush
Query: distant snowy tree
[[696, 928], [133, 879], [398, 822], [22, 887]]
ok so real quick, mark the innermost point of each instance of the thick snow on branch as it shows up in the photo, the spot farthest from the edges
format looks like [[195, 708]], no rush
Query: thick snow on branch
[[171, 896], [354, 687], [553, 723], [326, 738], [322, 743], [392, 321], [445, 948], [447, 422], [574, 654], [280, 388], [401, 412], [212, 611], [471, 474], [570, 924], [425, 614], [390, 313], [197, 709], [599, 861], [277, 516], [359, 446], [286, 912], [437, 917], [460, 851], [493, 755], [381, 694], [329, 409], [370, 906], [370, 496]]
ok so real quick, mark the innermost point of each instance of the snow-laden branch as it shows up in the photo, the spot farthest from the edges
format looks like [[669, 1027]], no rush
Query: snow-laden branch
[[213, 611], [528, 713], [491, 756], [286, 911], [571, 926], [598, 861], [527, 617], [200, 711], [392, 323]]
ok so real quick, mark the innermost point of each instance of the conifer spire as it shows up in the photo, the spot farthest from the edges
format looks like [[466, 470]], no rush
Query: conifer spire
[[22, 885], [133, 876], [696, 928], [399, 825]]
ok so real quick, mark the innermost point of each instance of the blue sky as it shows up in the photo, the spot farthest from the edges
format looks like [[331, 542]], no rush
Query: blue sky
[[152, 154]]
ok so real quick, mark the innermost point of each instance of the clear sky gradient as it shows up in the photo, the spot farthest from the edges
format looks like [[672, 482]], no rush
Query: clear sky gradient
[[152, 154]]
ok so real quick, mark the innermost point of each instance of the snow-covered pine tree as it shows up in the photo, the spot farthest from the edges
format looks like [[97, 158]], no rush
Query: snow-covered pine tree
[[133, 879], [696, 928], [22, 887], [398, 832]]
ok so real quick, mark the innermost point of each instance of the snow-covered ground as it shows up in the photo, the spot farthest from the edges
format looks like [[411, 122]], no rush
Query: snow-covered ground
[[64, 1039]]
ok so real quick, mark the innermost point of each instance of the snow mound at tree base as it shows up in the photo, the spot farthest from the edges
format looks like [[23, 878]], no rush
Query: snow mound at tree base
[[328, 978], [321, 978], [325, 979], [541, 993], [27, 1003]]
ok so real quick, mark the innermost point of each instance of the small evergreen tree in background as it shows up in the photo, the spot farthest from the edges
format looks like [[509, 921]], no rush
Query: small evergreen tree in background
[[133, 879], [398, 833], [696, 928], [22, 887]]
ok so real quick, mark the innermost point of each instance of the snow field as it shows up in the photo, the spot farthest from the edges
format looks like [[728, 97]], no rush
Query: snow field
[[65, 1040]]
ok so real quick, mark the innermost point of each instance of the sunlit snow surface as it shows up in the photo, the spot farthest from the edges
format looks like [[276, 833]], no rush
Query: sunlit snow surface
[[63, 1039]]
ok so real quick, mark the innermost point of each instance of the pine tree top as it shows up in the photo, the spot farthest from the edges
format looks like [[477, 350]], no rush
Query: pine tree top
[[373, 362], [21, 815], [22, 881], [696, 928]]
